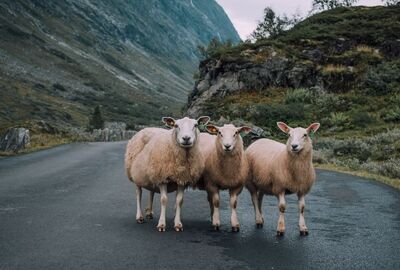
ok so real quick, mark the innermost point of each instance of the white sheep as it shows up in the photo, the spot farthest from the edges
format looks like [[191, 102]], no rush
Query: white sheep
[[279, 169], [134, 147], [225, 168], [165, 161]]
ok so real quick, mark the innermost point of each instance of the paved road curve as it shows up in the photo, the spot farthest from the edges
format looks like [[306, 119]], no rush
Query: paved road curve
[[72, 207]]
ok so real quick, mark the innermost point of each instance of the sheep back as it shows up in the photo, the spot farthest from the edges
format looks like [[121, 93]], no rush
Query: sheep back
[[163, 161], [274, 170]]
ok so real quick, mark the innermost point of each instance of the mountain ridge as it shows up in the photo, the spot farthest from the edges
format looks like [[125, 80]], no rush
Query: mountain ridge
[[136, 59]]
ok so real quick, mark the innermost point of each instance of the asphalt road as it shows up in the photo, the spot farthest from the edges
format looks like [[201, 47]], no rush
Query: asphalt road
[[72, 207]]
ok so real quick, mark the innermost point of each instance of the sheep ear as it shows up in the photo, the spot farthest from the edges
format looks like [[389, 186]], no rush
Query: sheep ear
[[169, 121], [313, 127], [282, 126], [245, 130], [212, 129], [203, 120]]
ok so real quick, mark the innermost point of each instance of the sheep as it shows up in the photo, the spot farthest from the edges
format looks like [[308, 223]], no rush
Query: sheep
[[134, 147], [279, 169], [225, 168], [166, 161]]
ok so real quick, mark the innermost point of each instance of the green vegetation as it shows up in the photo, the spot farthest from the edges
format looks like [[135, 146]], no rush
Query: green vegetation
[[350, 59], [96, 121], [330, 4]]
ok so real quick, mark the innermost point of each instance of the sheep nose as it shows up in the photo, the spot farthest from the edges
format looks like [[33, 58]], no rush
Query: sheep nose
[[227, 146], [294, 146], [186, 139]]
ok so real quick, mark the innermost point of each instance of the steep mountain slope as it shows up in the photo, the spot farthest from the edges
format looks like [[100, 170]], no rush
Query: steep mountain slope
[[340, 67], [135, 58]]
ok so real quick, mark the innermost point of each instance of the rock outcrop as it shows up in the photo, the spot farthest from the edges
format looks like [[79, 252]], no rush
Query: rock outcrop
[[221, 78], [14, 140]]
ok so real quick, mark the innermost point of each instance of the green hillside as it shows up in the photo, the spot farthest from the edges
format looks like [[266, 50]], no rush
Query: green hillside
[[339, 67], [59, 59]]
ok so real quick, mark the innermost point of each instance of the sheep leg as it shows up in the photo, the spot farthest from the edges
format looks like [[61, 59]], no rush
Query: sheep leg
[[164, 201], [233, 203], [215, 220], [302, 223], [139, 215], [179, 200], [260, 199], [256, 199], [281, 221], [209, 198], [149, 209]]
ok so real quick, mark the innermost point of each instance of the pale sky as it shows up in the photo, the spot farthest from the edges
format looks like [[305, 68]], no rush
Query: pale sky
[[245, 14]]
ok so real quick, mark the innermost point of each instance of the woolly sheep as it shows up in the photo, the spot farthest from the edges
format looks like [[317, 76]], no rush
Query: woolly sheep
[[279, 169], [225, 168], [134, 147], [165, 161]]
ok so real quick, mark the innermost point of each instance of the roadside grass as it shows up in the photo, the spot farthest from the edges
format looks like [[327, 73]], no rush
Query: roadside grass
[[42, 141], [394, 182]]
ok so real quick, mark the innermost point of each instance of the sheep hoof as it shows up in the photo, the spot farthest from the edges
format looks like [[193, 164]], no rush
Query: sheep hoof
[[235, 229], [161, 228], [178, 228], [149, 216], [278, 233], [259, 225], [216, 227], [303, 233], [140, 220]]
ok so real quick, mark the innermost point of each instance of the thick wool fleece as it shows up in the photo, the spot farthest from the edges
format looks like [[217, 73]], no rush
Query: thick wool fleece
[[136, 145], [162, 160], [225, 170], [274, 169]]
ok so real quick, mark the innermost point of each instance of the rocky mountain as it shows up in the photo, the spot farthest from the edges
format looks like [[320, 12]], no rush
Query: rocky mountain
[[59, 59], [336, 51], [340, 68]]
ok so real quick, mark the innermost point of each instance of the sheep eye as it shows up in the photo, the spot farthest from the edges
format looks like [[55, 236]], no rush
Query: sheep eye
[[305, 135], [175, 126]]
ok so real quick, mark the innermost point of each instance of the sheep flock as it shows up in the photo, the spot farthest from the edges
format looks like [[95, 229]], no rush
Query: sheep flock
[[181, 157]]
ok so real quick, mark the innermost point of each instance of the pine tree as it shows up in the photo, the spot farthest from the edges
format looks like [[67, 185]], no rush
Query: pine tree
[[96, 121]]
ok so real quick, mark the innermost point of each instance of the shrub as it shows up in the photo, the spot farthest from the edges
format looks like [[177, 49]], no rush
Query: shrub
[[361, 119], [383, 79], [390, 168], [300, 95], [327, 102], [339, 120], [353, 148], [392, 115], [267, 115]]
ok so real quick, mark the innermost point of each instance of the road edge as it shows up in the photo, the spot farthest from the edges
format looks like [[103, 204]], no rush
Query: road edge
[[393, 182]]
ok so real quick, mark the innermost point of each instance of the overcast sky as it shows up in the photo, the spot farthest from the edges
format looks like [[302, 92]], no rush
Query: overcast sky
[[245, 14]]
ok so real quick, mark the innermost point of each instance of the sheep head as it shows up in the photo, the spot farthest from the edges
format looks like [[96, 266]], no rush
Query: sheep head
[[228, 136], [185, 130], [299, 138]]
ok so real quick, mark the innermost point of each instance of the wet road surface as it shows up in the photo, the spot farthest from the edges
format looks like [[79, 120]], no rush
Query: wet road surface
[[72, 207]]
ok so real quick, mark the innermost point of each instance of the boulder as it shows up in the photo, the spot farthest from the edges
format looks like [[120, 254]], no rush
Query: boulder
[[15, 139]]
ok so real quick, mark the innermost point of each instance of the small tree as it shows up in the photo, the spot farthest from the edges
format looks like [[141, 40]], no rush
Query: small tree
[[330, 4], [391, 2], [96, 121], [273, 25], [215, 47]]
